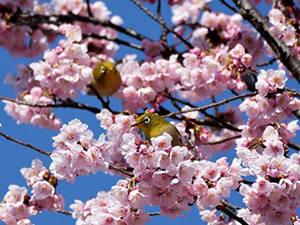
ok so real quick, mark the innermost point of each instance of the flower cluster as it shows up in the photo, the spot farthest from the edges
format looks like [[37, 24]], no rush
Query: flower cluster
[[43, 186], [186, 11], [41, 116], [66, 68], [18, 46], [269, 106], [109, 208], [168, 178], [200, 76], [77, 153], [153, 50], [274, 195], [285, 32], [17, 205], [116, 126], [15, 209], [99, 49]]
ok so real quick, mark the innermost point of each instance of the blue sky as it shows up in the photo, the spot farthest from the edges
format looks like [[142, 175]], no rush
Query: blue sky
[[14, 157]]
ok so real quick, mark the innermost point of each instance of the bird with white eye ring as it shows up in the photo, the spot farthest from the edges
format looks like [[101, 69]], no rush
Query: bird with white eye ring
[[106, 79], [154, 125]]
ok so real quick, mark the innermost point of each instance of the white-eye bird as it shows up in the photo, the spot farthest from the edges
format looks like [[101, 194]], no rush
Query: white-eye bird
[[106, 79], [154, 125]]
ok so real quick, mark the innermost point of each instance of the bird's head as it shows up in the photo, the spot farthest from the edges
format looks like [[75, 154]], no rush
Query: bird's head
[[149, 121], [104, 68]]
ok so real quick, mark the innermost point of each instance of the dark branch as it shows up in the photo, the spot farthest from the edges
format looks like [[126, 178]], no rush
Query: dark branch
[[22, 19], [68, 213], [65, 104], [294, 146], [223, 140], [122, 170], [163, 37], [222, 207], [271, 61], [162, 23], [104, 104], [89, 8], [116, 40], [203, 108], [24, 144]]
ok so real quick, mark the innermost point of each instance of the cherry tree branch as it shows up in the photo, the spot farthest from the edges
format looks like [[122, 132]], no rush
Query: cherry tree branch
[[262, 25], [68, 213], [89, 8], [203, 108], [222, 141], [122, 170], [223, 207], [22, 18], [271, 61], [163, 37], [116, 40], [104, 104], [65, 104], [294, 146], [162, 23], [26, 144]]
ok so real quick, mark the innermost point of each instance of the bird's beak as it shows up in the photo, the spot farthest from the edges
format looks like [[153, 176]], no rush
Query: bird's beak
[[136, 124]]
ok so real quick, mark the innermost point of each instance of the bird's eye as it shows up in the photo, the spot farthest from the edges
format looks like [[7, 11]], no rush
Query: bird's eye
[[103, 70], [146, 120]]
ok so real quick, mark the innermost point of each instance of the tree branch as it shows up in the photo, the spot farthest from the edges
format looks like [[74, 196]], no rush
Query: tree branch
[[68, 213], [294, 146], [104, 104], [65, 104], [89, 8], [225, 209], [116, 40], [24, 144], [222, 141], [203, 108], [122, 170], [21, 19], [162, 23], [163, 37]]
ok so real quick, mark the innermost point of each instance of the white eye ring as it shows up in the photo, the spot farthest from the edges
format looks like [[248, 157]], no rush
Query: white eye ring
[[103, 70], [146, 120]]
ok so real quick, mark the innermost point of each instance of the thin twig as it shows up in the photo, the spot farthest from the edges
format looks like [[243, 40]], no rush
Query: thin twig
[[223, 123], [122, 170], [246, 182], [229, 6], [68, 213], [65, 104], [223, 140], [222, 207], [89, 8], [116, 40], [271, 61], [24, 144], [104, 104], [294, 146], [203, 108], [172, 98], [163, 37], [21, 19], [162, 23], [154, 214]]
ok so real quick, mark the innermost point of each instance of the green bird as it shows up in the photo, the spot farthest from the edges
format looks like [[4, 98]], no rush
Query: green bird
[[154, 125], [106, 79]]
